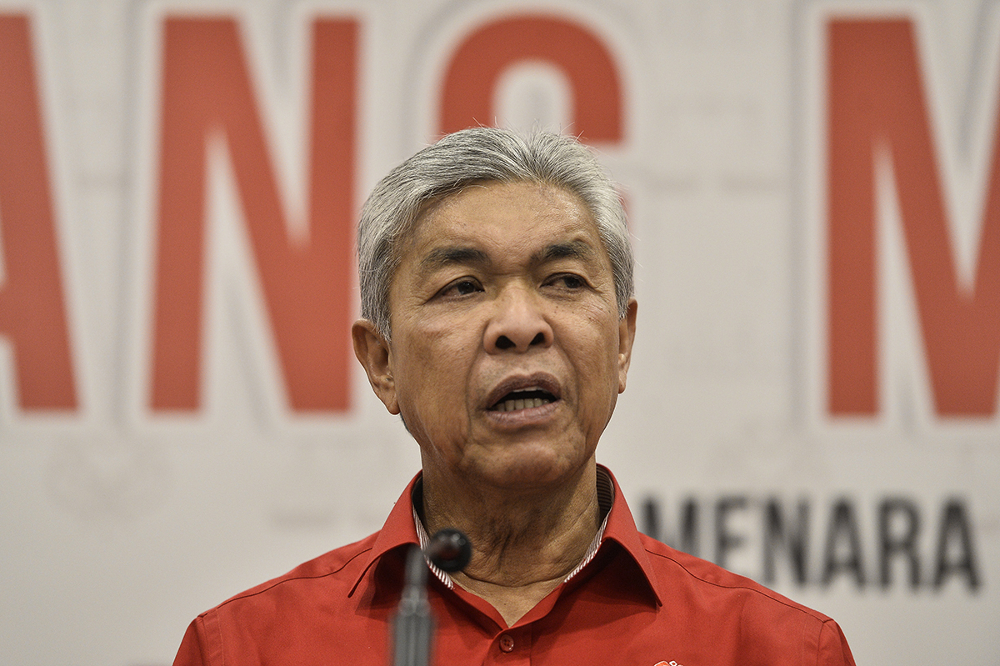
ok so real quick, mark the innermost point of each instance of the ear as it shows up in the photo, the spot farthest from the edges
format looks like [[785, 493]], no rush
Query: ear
[[375, 356], [626, 337]]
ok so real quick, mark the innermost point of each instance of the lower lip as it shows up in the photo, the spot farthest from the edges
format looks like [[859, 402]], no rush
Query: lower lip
[[524, 417]]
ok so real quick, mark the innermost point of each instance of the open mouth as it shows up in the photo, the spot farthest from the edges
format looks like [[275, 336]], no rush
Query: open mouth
[[523, 399]]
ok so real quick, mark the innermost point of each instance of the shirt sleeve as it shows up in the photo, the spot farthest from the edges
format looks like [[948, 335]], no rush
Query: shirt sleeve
[[833, 647], [190, 652]]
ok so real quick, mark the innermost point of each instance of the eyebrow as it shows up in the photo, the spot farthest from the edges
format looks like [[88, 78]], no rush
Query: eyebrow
[[575, 249], [442, 257]]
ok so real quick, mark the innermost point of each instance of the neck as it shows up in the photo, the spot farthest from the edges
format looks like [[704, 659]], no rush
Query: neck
[[524, 542]]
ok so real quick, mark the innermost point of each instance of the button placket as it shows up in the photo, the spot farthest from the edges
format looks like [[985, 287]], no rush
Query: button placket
[[513, 647]]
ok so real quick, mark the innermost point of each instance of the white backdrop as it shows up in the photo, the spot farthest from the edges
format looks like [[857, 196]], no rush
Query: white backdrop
[[123, 515]]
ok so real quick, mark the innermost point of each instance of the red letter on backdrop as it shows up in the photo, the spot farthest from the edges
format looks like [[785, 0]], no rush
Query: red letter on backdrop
[[32, 311], [207, 89], [877, 100], [481, 59]]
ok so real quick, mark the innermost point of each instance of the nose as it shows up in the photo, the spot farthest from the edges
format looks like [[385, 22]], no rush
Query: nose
[[517, 322]]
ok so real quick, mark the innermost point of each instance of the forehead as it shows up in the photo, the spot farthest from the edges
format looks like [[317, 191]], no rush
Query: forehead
[[510, 215]]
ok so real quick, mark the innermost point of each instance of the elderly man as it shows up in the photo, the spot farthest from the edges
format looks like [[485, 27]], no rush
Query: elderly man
[[498, 320]]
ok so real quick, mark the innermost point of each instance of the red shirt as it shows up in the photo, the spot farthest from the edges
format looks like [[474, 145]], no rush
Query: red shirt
[[637, 602]]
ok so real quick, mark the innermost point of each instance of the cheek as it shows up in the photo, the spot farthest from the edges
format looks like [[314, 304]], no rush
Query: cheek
[[598, 366], [432, 370], [601, 341]]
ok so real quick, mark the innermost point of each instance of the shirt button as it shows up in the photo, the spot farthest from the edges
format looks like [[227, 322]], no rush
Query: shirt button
[[506, 643]]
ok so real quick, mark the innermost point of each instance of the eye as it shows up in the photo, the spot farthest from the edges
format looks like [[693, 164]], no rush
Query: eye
[[461, 287], [567, 281]]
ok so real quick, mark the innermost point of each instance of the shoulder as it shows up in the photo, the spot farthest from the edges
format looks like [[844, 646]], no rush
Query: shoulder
[[280, 618], [728, 597], [749, 622], [334, 571]]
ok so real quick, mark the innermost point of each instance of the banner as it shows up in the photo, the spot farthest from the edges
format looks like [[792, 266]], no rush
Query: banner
[[814, 194]]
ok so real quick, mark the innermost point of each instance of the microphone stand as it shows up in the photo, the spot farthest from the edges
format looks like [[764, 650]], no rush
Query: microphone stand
[[413, 625]]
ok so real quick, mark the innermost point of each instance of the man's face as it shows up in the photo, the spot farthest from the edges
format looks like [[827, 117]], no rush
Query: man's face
[[507, 351]]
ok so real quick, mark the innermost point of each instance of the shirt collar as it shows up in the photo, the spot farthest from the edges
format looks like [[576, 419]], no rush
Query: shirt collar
[[621, 529], [397, 532], [403, 527], [416, 498]]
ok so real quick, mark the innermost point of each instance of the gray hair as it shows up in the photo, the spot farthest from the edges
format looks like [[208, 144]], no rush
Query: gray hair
[[476, 155]]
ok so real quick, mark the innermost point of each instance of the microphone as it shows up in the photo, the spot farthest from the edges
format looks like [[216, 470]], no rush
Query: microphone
[[449, 550], [413, 626]]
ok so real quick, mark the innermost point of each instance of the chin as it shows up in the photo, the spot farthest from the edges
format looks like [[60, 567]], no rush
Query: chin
[[535, 469]]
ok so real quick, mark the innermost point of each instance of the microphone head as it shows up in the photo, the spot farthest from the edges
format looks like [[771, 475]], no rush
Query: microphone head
[[449, 550]]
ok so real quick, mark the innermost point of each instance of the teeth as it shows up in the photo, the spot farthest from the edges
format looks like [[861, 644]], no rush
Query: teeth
[[511, 405]]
